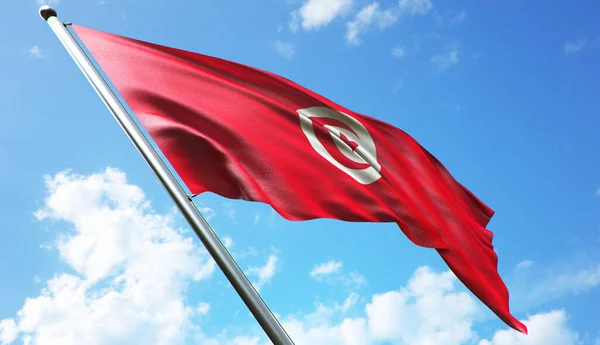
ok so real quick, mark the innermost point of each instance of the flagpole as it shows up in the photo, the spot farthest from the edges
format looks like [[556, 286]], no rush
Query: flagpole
[[215, 247]]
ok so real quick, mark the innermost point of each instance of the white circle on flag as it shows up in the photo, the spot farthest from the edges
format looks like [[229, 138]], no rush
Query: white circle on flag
[[362, 151]]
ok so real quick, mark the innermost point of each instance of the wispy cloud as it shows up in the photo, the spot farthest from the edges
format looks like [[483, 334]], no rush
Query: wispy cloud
[[398, 51], [451, 17], [326, 268], [228, 242], [229, 211], [48, 2], [315, 14], [476, 56], [354, 280], [35, 51], [572, 282], [249, 252], [207, 212], [264, 273], [537, 284], [574, 46], [373, 15], [287, 50], [414, 7], [446, 60], [202, 308], [330, 272], [524, 264], [274, 218], [256, 219], [458, 18], [399, 85]]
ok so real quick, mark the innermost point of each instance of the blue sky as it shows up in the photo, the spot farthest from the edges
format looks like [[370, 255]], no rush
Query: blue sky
[[503, 93]]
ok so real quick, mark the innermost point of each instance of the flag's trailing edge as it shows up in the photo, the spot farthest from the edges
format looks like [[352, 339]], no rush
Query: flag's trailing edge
[[270, 140]]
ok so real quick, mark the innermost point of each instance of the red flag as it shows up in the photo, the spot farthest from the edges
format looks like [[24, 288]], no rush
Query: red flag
[[245, 133]]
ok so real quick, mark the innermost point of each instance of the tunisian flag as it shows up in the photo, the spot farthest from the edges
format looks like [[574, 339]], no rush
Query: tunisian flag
[[244, 133]]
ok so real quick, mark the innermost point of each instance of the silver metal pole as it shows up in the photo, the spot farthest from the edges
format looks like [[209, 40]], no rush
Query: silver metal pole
[[217, 250]]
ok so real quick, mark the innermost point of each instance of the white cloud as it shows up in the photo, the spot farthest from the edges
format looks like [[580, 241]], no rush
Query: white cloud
[[524, 264], [544, 328], [574, 46], [324, 314], [138, 295], [294, 23], [373, 15], [349, 302], [542, 283], [47, 2], [414, 7], [348, 332], [35, 51], [326, 268], [428, 310], [570, 282], [274, 219], [8, 331], [207, 212], [264, 273], [398, 52], [458, 18], [250, 252], [132, 267], [246, 341], [227, 242], [399, 85], [202, 308], [354, 280], [446, 59], [314, 14], [330, 272], [287, 50], [256, 219], [229, 211]]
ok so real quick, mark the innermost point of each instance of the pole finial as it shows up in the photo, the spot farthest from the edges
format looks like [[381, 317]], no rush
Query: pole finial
[[47, 12]]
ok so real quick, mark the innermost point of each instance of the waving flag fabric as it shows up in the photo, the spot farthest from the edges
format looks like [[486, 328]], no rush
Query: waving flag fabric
[[244, 133]]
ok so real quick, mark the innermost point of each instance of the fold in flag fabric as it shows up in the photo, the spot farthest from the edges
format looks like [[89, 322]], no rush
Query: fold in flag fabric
[[244, 133]]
